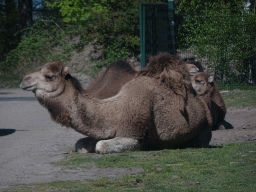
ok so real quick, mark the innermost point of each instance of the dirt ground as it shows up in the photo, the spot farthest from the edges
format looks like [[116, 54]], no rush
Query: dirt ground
[[30, 141]]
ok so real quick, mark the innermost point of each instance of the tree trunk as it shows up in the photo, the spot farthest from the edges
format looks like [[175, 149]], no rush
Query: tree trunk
[[11, 25], [25, 9]]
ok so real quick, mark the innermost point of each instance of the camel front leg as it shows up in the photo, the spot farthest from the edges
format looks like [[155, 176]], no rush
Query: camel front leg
[[117, 145]]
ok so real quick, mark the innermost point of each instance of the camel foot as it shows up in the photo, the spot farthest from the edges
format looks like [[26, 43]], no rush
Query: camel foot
[[117, 145], [86, 145]]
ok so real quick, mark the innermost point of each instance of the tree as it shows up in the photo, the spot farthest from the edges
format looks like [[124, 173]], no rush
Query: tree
[[79, 11], [221, 31], [9, 27], [113, 23], [25, 11]]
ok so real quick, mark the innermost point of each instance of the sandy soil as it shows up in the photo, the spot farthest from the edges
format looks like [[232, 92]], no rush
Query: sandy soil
[[30, 141]]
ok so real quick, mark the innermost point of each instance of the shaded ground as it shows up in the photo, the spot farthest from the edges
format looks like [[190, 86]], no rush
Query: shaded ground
[[29, 141], [240, 127]]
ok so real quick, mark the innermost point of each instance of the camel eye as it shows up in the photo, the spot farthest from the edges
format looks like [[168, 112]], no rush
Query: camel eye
[[49, 77]]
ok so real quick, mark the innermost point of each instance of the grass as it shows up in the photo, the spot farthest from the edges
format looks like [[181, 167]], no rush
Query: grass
[[230, 167], [245, 98], [235, 86]]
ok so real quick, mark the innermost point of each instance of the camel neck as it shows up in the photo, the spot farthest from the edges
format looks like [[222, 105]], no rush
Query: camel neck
[[82, 113]]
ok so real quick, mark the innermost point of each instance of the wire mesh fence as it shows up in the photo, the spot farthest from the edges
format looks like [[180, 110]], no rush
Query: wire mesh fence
[[224, 40]]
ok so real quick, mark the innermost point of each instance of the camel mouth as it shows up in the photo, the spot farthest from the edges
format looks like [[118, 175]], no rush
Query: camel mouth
[[28, 88]]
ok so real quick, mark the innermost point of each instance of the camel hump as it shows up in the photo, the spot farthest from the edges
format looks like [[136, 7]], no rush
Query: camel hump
[[164, 61], [171, 71], [174, 80], [120, 66], [109, 84], [158, 63]]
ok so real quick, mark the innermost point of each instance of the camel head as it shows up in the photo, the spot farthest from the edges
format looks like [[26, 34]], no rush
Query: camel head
[[201, 82], [196, 63], [50, 82], [192, 69]]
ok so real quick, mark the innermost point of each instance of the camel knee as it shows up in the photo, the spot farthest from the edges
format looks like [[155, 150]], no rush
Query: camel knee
[[203, 138], [86, 145], [117, 145]]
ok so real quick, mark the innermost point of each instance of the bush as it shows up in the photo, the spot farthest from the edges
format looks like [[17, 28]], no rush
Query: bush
[[115, 24], [44, 41]]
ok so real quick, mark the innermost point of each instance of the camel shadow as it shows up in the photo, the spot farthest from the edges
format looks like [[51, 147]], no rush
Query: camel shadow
[[18, 99], [5, 93], [4, 132], [225, 125], [213, 146]]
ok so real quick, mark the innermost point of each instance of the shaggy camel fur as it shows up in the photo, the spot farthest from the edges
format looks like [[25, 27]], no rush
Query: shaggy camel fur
[[143, 113], [116, 75], [171, 71], [120, 72]]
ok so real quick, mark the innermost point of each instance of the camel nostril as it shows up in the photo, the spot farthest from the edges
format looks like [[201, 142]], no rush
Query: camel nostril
[[27, 78]]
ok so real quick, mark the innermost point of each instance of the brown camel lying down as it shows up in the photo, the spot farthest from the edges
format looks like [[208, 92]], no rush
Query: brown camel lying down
[[144, 114], [120, 72]]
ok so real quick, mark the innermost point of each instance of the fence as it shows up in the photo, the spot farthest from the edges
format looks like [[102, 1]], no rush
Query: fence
[[156, 29], [224, 41]]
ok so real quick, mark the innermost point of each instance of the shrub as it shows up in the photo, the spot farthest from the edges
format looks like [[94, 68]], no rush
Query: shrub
[[44, 41]]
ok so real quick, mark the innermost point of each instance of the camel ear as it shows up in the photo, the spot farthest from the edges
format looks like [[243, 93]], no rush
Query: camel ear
[[211, 78], [65, 71]]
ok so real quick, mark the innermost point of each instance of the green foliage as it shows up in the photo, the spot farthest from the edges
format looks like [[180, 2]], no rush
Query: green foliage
[[79, 11], [222, 32], [118, 29], [116, 51], [45, 41], [114, 24], [9, 18]]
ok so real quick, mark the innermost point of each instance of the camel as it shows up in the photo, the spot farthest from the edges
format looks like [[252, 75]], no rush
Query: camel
[[120, 72], [204, 85], [144, 114], [218, 107]]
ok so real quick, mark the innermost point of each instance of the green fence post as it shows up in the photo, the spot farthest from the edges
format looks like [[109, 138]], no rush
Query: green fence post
[[156, 29], [142, 36], [171, 7]]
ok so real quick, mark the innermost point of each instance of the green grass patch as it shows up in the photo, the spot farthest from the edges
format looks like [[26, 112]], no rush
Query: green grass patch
[[236, 86], [240, 99], [229, 167]]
